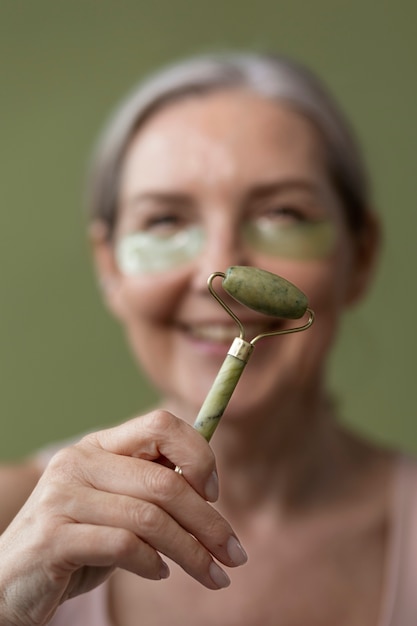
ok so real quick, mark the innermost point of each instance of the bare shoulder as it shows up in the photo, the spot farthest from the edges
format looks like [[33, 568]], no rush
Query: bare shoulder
[[17, 481]]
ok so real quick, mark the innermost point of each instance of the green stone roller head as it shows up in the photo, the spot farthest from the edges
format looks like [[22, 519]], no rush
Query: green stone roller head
[[265, 292], [261, 291]]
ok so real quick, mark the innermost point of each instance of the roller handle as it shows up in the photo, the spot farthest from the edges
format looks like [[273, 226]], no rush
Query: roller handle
[[219, 395], [261, 291]]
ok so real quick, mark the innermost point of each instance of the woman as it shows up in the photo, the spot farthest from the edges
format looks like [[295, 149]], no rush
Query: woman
[[236, 160]]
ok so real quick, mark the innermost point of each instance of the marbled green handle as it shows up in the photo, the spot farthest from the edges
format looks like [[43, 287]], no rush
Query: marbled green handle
[[219, 395]]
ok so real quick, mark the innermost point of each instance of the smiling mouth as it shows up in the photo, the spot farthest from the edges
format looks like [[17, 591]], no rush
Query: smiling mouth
[[219, 333]]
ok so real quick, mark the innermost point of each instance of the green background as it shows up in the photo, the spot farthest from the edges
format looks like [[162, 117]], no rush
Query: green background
[[63, 65]]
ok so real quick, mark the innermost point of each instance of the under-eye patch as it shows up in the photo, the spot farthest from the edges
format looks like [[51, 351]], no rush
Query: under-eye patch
[[300, 240], [143, 252]]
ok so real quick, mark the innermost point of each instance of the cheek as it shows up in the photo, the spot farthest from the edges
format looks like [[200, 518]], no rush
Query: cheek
[[325, 289], [147, 307], [325, 285], [151, 298], [325, 282]]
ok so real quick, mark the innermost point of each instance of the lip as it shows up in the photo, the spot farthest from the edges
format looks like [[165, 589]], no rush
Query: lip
[[220, 334]]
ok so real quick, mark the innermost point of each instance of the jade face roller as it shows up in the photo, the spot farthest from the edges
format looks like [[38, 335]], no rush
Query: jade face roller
[[261, 291]]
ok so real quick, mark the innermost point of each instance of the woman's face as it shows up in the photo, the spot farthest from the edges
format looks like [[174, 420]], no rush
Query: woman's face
[[239, 181]]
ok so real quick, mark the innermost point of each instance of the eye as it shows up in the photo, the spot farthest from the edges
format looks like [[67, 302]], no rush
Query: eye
[[164, 223], [283, 213]]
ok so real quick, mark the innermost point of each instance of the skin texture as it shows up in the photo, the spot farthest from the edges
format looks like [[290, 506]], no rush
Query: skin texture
[[309, 502]]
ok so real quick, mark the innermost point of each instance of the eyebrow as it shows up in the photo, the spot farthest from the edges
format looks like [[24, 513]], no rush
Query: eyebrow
[[164, 197], [257, 192], [267, 189]]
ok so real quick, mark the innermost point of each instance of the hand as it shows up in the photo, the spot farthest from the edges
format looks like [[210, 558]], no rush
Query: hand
[[104, 503]]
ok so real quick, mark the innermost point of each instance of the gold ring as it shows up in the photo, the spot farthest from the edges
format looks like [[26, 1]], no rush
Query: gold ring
[[178, 470]]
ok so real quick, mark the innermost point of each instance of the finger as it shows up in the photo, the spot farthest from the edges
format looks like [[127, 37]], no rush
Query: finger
[[162, 434], [168, 490], [153, 526], [79, 545], [146, 481]]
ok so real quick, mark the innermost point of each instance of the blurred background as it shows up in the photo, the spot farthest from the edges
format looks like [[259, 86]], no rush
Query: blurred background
[[64, 366]]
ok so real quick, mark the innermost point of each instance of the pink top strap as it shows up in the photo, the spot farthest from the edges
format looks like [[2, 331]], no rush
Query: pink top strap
[[400, 598]]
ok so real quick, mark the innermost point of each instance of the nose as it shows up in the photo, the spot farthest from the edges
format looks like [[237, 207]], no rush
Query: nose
[[222, 248]]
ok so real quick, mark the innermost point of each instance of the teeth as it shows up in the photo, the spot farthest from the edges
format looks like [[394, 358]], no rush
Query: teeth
[[224, 333], [215, 333]]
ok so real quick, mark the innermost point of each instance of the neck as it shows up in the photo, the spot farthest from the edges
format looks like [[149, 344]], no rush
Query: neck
[[291, 457], [276, 458]]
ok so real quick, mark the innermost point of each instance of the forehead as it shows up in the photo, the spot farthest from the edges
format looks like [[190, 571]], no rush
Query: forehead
[[227, 136]]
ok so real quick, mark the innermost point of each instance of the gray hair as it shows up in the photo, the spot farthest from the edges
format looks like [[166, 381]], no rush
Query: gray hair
[[271, 76]]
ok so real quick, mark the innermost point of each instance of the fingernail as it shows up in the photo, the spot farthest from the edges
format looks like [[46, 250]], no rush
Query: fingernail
[[164, 571], [212, 487], [218, 576], [235, 551]]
